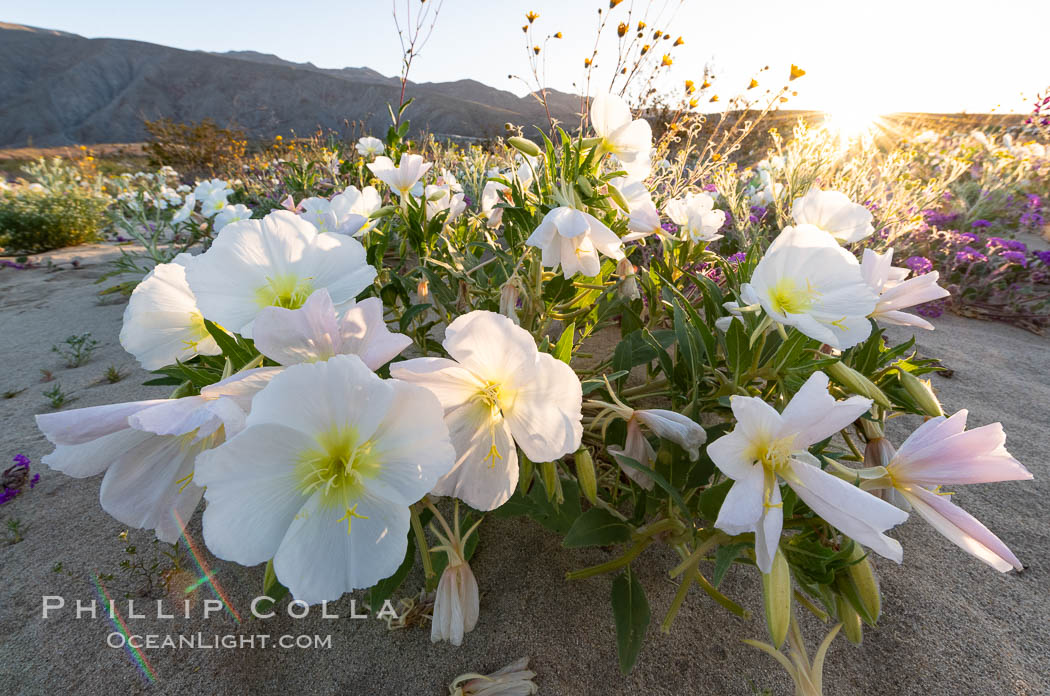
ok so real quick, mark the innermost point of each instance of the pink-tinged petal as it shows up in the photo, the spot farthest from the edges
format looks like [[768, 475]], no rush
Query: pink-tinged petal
[[856, 513], [814, 414], [679, 429], [961, 528], [452, 384], [83, 425], [637, 448], [95, 456], [172, 416], [242, 387], [914, 291], [363, 332], [945, 455], [767, 532], [743, 506], [292, 336]]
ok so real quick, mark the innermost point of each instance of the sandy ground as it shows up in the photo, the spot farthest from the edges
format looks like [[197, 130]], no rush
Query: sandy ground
[[950, 624]]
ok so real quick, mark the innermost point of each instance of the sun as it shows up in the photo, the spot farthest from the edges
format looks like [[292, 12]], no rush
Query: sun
[[851, 123]]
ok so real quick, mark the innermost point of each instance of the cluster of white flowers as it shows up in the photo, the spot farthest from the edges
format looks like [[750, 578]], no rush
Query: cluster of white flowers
[[313, 461]]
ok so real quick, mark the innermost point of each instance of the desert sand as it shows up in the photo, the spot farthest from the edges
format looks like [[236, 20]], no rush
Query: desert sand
[[950, 625]]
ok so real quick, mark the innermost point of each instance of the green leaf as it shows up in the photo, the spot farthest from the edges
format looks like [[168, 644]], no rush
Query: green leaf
[[591, 385], [596, 527], [724, 558], [563, 349], [737, 349], [658, 478], [410, 314], [233, 350], [631, 614], [711, 500]]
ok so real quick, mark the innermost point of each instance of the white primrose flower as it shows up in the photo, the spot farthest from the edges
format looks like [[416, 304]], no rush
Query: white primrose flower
[[498, 391], [147, 449], [322, 477], [444, 197], [456, 604], [352, 209], [278, 261], [231, 213], [766, 447], [402, 178], [767, 194], [162, 322], [214, 204], [316, 332], [183, 213], [834, 213], [212, 187], [896, 293], [573, 238], [369, 146], [630, 140], [696, 217], [318, 212], [806, 280], [942, 452], [643, 219], [493, 194]]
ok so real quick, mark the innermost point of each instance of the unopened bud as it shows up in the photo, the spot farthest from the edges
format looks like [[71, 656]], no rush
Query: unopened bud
[[525, 469], [618, 199], [549, 474], [922, 392], [776, 596], [857, 383], [585, 186], [878, 452], [865, 584], [585, 475], [524, 146], [850, 619], [590, 142], [509, 293], [629, 286], [384, 211], [423, 289]]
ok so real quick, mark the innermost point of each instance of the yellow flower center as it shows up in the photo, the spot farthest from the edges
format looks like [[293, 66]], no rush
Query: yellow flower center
[[789, 297], [288, 291], [774, 456], [495, 396], [337, 468]]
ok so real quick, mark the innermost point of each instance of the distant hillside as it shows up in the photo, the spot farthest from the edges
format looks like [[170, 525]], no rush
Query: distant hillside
[[60, 89]]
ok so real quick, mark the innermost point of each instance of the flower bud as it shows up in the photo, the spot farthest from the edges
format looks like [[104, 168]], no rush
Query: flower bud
[[878, 452], [184, 389], [586, 476], [513, 680], [629, 287], [508, 298], [524, 146], [525, 469], [590, 142], [549, 474], [865, 584], [850, 619], [922, 392], [585, 186], [776, 596], [384, 212], [618, 198], [857, 383]]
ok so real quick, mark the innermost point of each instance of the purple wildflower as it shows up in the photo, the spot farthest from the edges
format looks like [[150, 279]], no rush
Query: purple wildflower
[[33, 481], [971, 237], [8, 494], [670, 228], [467, 200], [919, 264], [977, 224], [1016, 257], [1043, 256], [738, 257], [21, 460], [710, 188], [968, 255], [931, 310], [757, 213]]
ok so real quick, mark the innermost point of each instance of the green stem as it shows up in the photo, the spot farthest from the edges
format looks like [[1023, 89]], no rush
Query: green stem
[[612, 565], [421, 542]]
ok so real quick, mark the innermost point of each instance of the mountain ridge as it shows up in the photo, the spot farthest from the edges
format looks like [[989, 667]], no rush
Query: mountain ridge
[[60, 89]]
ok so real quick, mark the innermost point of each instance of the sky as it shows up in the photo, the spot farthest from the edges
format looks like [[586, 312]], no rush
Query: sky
[[870, 57]]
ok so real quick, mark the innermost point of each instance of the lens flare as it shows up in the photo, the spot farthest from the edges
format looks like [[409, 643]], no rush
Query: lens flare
[[207, 575], [136, 655]]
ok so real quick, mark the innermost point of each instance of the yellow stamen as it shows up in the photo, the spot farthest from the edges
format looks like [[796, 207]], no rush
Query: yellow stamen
[[351, 513]]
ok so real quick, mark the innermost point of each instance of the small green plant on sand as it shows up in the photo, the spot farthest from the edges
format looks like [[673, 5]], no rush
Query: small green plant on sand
[[76, 349]]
